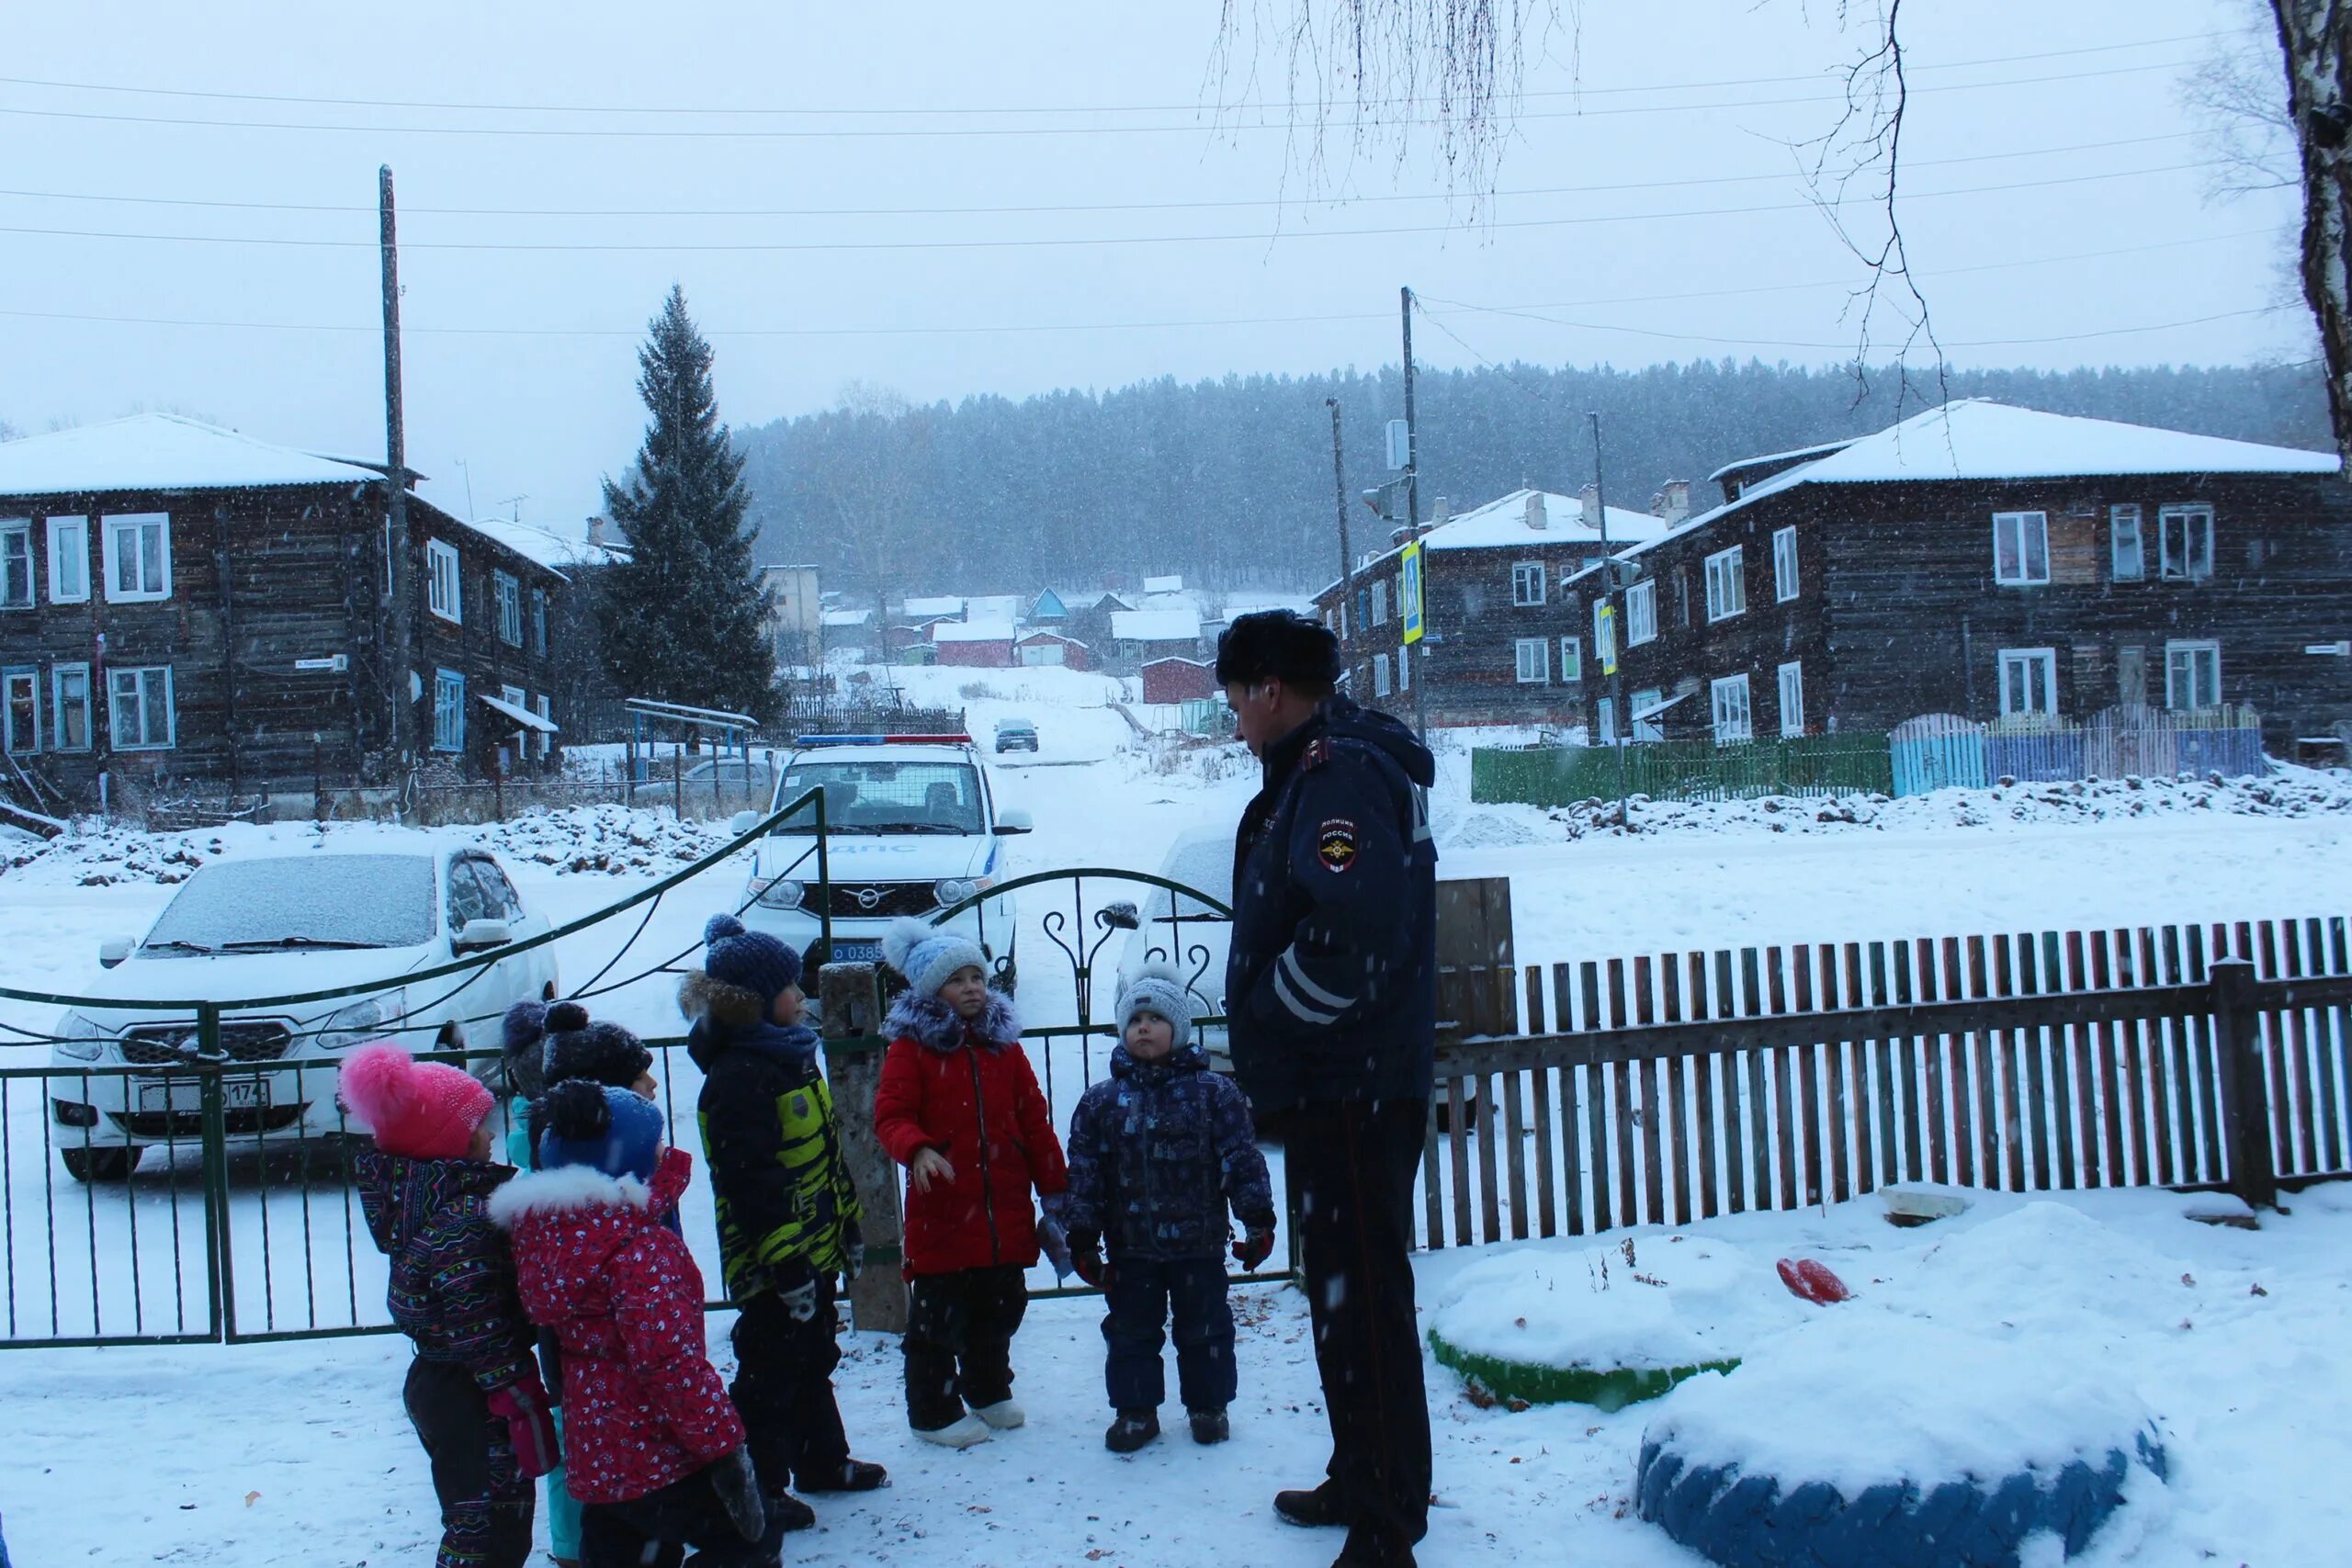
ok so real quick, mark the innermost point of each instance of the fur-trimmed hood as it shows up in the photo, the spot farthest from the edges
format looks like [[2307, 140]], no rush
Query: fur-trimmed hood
[[704, 996], [579, 1189], [934, 1025], [732, 1017]]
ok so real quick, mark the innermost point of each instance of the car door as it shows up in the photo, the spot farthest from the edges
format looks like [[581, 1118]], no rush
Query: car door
[[524, 976]]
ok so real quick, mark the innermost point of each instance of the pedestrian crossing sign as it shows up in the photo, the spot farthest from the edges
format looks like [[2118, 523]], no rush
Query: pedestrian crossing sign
[[1409, 591]]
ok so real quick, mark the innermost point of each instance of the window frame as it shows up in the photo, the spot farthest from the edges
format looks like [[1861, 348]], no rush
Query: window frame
[[1645, 728], [539, 622], [1641, 612], [506, 594], [1717, 690], [1542, 657], [1604, 633], [1381, 683], [2184, 513], [2193, 648], [1785, 585], [1522, 574], [57, 707], [1791, 675], [1726, 579], [59, 530], [1380, 603], [144, 675], [2046, 659], [112, 526], [437, 553], [2023, 577], [544, 705], [17, 534], [1571, 662], [453, 684], [2117, 517], [1604, 720], [27, 677]]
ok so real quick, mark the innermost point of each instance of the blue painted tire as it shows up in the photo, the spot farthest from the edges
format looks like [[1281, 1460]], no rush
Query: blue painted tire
[[1742, 1520]]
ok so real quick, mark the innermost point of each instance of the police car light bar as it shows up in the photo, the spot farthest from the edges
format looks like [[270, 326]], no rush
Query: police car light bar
[[883, 740]]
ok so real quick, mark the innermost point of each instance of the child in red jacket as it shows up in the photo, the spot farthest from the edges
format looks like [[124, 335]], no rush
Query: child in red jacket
[[960, 1107]]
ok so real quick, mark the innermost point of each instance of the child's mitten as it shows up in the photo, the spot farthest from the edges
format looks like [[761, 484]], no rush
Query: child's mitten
[[530, 1425]]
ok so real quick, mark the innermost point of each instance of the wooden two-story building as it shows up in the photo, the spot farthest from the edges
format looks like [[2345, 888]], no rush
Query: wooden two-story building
[[1985, 560], [186, 610], [1501, 642]]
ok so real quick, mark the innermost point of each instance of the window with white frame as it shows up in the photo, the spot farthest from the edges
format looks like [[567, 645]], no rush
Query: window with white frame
[[448, 711], [1571, 661], [2028, 681], [138, 547], [1733, 721], [1644, 710], [1604, 722], [546, 710], [508, 592], [1380, 687], [2020, 547], [1784, 564], [2192, 674], [138, 709], [2126, 556], [539, 622], [69, 724], [1380, 604], [1405, 668], [1793, 697], [16, 563], [2187, 555], [1533, 657], [442, 590], [69, 560], [1527, 582], [20, 711], [1726, 584], [1640, 614], [1604, 634]]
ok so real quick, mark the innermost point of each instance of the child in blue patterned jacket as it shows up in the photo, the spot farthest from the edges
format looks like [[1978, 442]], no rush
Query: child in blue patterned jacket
[[1157, 1152]]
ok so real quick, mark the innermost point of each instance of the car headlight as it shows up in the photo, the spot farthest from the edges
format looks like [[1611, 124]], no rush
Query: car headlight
[[951, 890], [362, 1021], [779, 892], [82, 1038]]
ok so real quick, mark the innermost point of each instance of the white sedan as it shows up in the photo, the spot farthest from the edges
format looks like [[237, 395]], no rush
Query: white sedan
[[242, 929]]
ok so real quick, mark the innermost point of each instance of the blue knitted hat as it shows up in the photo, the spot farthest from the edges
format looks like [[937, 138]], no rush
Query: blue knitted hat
[[1158, 989], [928, 955], [616, 1131], [748, 960]]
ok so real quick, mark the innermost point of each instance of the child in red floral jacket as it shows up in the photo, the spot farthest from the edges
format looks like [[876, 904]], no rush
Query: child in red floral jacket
[[959, 1107], [653, 1449]]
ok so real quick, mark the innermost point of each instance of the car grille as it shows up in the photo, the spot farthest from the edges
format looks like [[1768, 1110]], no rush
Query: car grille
[[174, 1045], [190, 1124], [854, 901]]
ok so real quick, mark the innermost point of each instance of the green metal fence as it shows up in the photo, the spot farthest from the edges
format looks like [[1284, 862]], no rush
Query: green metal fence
[[1682, 770]]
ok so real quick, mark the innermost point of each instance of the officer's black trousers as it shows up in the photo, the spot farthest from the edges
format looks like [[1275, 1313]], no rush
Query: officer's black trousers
[[1353, 1164]]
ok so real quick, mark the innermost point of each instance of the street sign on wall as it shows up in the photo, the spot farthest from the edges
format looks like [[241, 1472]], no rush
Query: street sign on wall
[[1409, 590]]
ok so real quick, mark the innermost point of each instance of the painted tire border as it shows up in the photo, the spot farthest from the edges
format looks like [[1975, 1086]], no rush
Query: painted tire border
[[1607, 1390]]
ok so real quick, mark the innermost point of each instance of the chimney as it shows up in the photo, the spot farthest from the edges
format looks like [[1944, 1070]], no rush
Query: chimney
[[1588, 505], [1535, 518], [1444, 514], [1672, 504], [596, 533]]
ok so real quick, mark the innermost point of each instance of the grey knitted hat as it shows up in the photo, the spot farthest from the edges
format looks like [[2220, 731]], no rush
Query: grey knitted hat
[[1158, 989]]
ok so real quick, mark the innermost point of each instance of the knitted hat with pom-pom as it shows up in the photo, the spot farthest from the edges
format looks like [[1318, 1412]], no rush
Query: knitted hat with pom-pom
[[928, 955], [417, 1110], [748, 960], [601, 1053], [523, 1035], [607, 1129], [1158, 989]]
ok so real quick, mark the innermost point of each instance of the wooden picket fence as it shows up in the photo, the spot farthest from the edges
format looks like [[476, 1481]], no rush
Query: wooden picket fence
[[1940, 751], [1682, 1086]]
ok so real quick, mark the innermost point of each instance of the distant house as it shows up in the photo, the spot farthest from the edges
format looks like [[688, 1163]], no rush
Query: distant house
[[1163, 585], [794, 622], [1041, 647], [988, 644], [583, 690], [1048, 610], [993, 607], [938, 607], [183, 605], [1989, 562], [1142, 635], [1500, 645], [845, 628], [1176, 680]]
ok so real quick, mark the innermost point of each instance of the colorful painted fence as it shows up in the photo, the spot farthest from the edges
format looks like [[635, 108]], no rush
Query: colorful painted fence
[[1943, 750]]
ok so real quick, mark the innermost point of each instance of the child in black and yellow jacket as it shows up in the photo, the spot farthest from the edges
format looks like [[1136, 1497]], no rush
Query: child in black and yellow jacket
[[788, 1216]]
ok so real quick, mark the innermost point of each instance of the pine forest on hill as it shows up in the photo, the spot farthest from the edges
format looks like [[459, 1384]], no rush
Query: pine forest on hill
[[1229, 481]]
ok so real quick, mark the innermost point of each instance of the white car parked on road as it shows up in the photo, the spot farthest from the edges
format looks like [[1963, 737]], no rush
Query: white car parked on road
[[285, 925]]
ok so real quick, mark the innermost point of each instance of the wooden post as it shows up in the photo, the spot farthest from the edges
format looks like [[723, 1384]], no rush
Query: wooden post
[[2245, 1100], [852, 1006]]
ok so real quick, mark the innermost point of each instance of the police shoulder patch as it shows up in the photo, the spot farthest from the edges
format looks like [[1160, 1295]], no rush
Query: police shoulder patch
[[1335, 843], [1317, 753]]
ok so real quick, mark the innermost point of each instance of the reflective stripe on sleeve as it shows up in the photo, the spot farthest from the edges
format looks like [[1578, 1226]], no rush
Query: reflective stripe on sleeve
[[1290, 966], [1299, 1010]]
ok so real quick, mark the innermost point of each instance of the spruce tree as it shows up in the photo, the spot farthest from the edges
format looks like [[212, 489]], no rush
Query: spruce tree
[[682, 617]]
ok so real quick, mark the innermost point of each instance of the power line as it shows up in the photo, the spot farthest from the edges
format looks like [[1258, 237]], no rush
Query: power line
[[1354, 126], [437, 105], [797, 246], [1799, 342], [1276, 202]]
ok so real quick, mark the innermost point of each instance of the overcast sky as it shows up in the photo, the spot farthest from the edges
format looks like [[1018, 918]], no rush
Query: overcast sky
[[2055, 206]]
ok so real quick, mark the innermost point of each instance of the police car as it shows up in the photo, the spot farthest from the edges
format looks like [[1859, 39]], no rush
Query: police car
[[913, 827]]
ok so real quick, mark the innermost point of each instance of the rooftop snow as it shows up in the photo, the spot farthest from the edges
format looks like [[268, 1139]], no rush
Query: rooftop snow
[[550, 549], [938, 606], [993, 607], [1502, 525], [847, 617], [159, 452], [1163, 584], [972, 631], [1154, 626]]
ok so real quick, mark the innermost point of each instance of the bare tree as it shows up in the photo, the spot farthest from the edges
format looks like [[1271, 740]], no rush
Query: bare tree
[[878, 441], [2240, 95]]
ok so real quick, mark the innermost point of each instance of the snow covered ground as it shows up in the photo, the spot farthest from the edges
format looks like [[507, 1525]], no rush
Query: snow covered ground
[[2253, 1393]]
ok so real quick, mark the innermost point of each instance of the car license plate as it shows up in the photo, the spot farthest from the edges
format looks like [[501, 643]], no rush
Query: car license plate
[[857, 952], [236, 1094]]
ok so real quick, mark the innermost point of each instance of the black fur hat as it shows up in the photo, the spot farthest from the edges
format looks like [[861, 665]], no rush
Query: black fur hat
[[1282, 646], [601, 1053]]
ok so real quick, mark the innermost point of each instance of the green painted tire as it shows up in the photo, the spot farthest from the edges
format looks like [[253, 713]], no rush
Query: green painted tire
[[1605, 1389]]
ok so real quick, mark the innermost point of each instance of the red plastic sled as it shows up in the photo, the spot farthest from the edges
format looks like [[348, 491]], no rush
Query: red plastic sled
[[1812, 1281]]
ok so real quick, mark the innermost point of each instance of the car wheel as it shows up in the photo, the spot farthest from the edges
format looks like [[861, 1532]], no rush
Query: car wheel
[[100, 1165]]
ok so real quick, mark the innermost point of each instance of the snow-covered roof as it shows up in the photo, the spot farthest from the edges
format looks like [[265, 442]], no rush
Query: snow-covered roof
[[993, 607], [932, 608], [1047, 633], [847, 617], [1171, 585], [1821, 451], [1154, 626], [972, 631], [554, 551], [161, 452], [1236, 608], [1504, 525], [521, 715]]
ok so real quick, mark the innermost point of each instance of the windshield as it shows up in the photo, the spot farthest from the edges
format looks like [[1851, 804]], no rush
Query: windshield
[[293, 903], [882, 796]]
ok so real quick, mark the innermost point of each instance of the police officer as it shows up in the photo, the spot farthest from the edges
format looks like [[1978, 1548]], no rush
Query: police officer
[[1331, 994]]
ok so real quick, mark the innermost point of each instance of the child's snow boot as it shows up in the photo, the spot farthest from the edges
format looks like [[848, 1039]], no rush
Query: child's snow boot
[[851, 1476], [1132, 1430], [1210, 1426], [1005, 1414], [793, 1513], [960, 1434]]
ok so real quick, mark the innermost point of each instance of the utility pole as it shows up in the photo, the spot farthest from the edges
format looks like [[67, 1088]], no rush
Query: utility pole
[[400, 588], [1412, 499], [1617, 712], [1340, 497]]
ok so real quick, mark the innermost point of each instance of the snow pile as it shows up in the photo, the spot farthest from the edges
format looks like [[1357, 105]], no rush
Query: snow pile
[[1863, 1398], [2110, 1282], [102, 855], [614, 840]]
